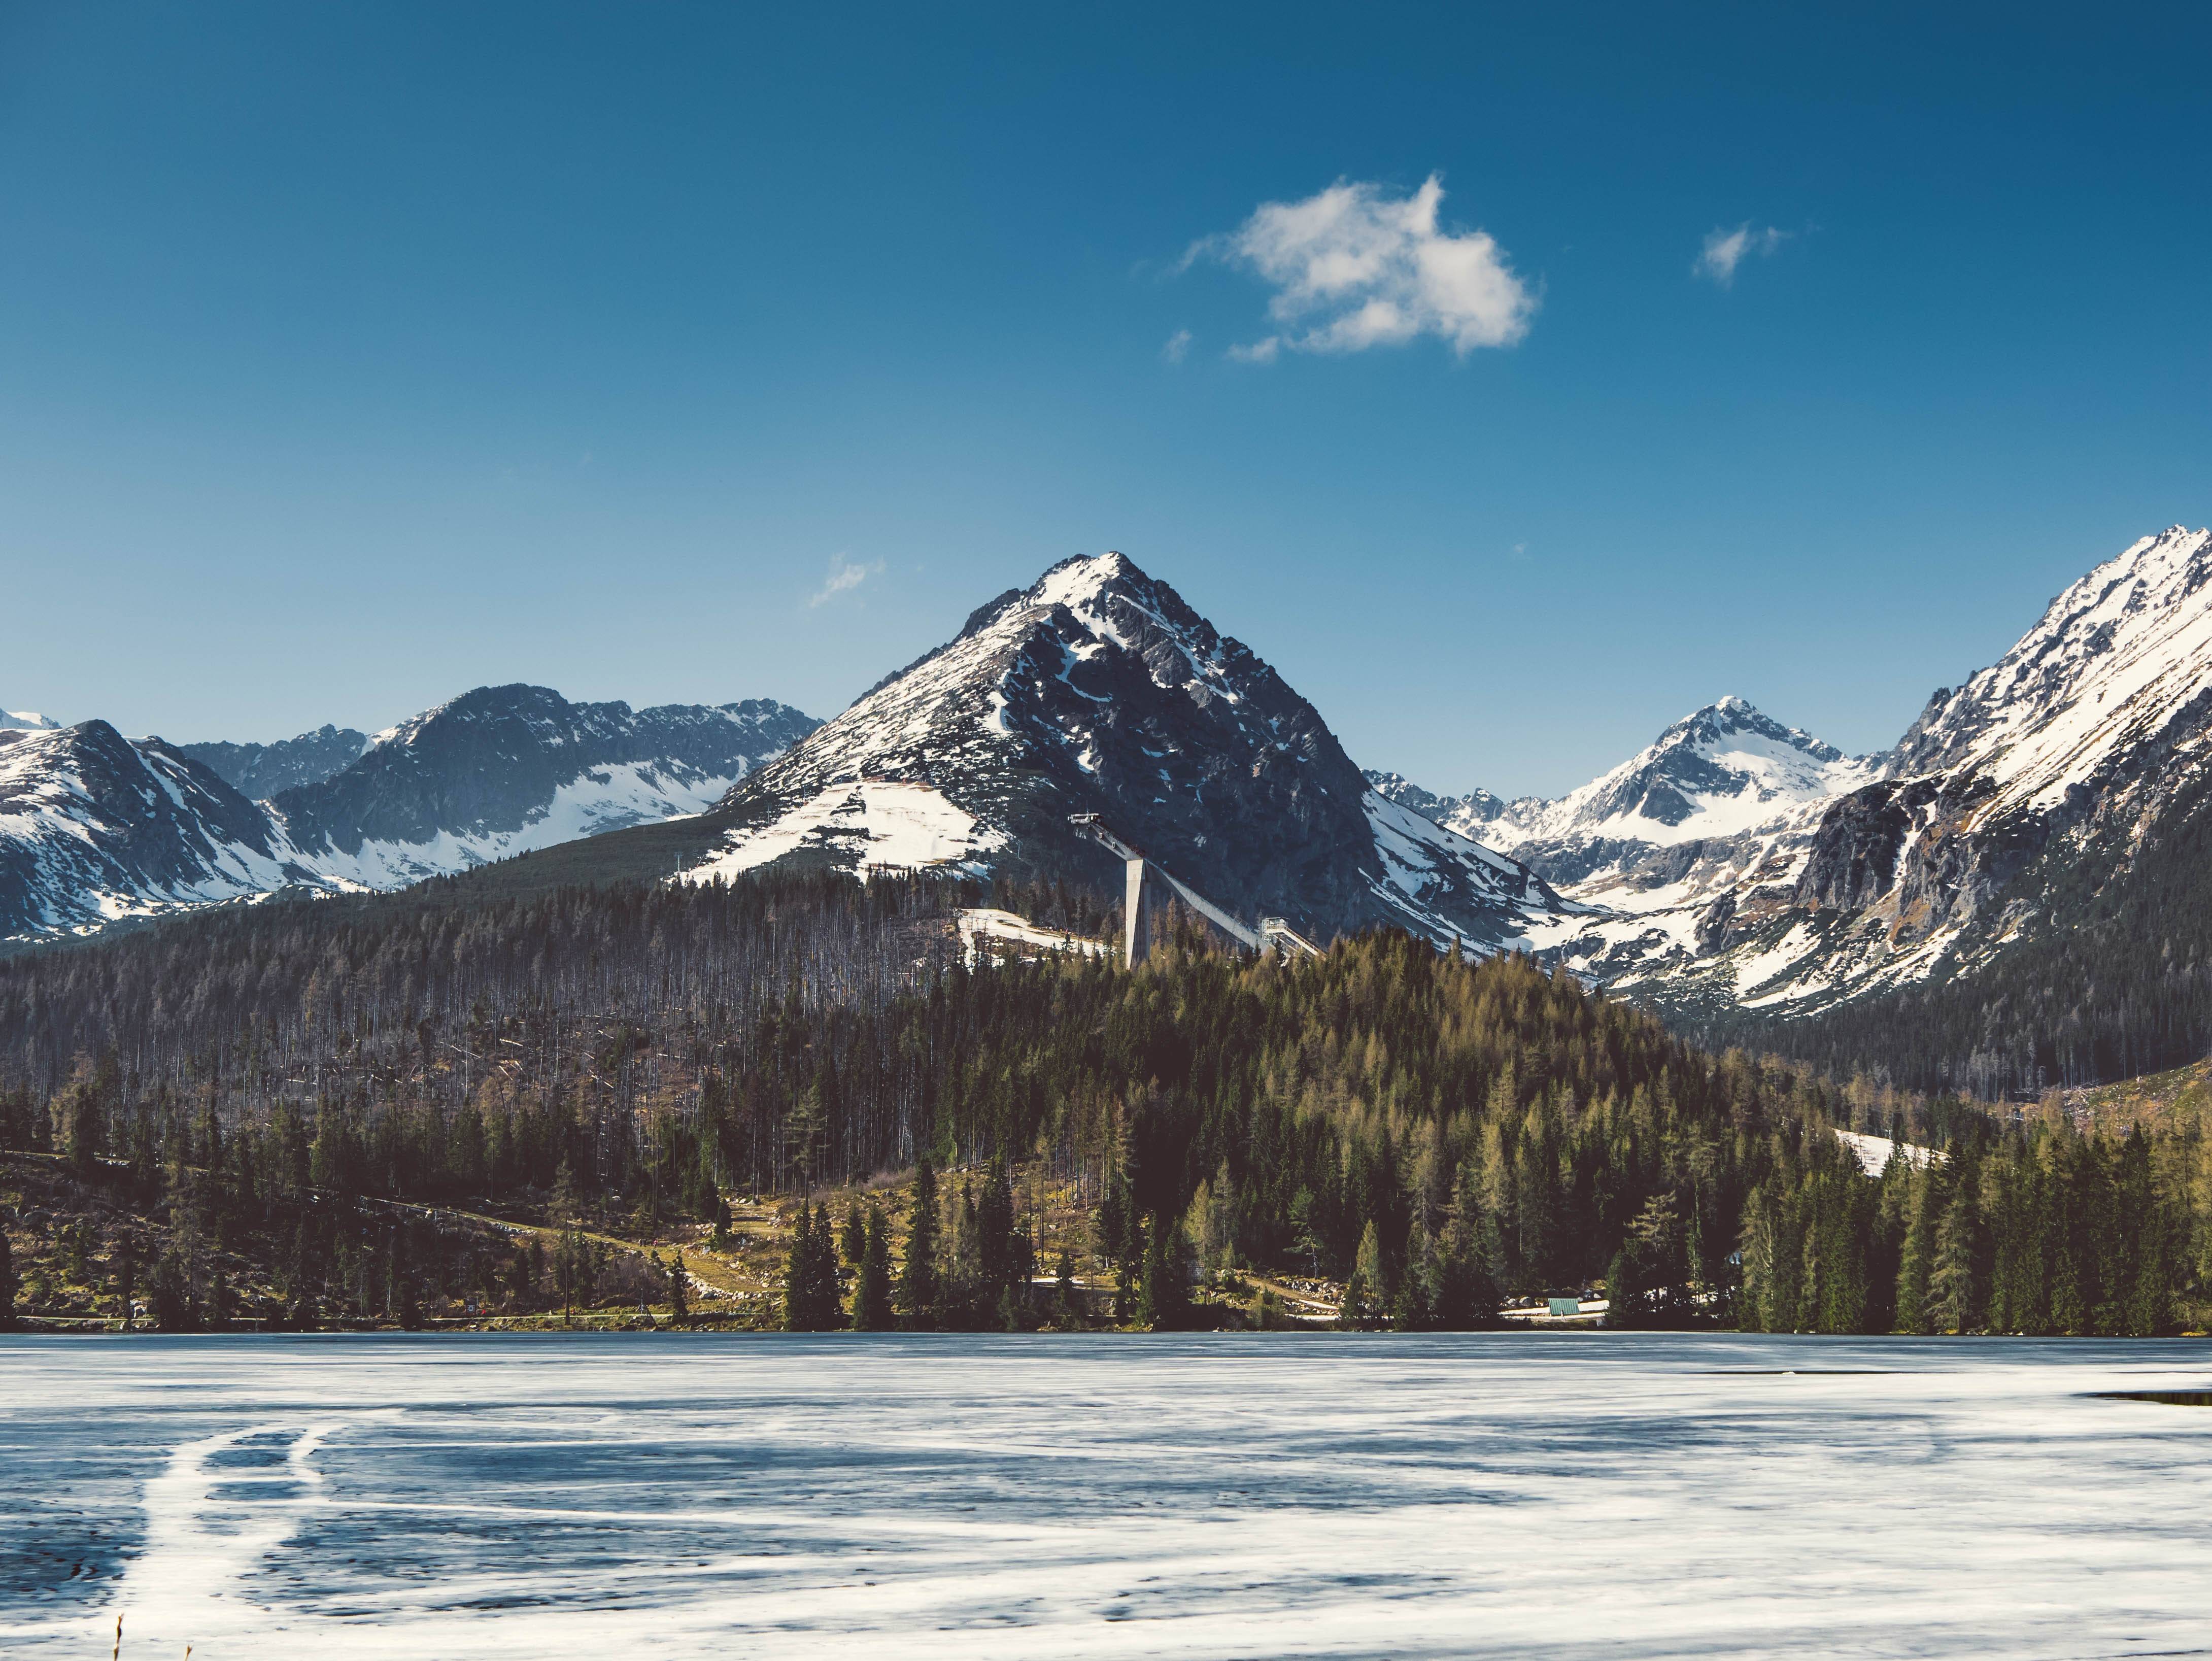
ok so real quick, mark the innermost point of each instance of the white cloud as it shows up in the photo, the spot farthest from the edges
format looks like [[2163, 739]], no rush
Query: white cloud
[[844, 577], [1725, 250], [1354, 267], [1178, 344]]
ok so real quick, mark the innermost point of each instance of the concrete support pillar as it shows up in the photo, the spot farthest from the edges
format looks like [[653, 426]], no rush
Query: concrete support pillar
[[1136, 927]]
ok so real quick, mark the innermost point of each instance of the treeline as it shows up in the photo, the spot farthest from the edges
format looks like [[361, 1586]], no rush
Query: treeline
[[1431, 1134], [2038, 1231]]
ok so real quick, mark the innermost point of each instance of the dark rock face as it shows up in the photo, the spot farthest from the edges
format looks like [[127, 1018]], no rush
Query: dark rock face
[[1854, 857], [260, 770]]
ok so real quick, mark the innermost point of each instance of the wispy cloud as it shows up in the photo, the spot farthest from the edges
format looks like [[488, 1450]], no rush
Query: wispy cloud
[[1178, 346], [1355, 266], [1725, 250], [844, 577]]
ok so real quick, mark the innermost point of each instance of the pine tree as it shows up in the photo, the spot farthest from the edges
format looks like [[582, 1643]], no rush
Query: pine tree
[[1918, 1261], [1064, 1290], [1352, 1312], [7, 1284], [872, 1293], [1955, 1301], [1414, 1310], [812, 1299], [1163, 1296], [853, 1238], [1465, 1296], [174, 1308], [679, 1292], [1369, 1270], [564, 1205], [797, 1272], [917, 1286]]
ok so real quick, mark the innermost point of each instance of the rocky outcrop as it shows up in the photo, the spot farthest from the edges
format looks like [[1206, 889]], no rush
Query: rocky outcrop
[[260, 770]]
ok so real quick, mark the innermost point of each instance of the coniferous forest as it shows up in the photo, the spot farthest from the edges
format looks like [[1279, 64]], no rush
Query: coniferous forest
[[369, 1110]]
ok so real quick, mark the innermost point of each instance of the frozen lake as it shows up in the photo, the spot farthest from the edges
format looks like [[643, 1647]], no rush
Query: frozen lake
[[1285, 1495]]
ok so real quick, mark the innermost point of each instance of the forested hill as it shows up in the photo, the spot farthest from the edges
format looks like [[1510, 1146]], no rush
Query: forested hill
[[1431, 1132]]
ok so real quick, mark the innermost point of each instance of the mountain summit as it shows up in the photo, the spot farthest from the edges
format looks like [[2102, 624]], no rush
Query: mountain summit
[[1098, 689]]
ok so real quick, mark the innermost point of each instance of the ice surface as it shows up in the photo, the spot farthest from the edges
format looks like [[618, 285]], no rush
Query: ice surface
[[1523, 1495]]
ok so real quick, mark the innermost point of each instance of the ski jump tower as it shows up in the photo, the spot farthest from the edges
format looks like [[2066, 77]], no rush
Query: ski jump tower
[[1274, 935]]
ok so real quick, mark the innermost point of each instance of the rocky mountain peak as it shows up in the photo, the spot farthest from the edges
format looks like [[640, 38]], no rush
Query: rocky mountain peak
[[1099, 689], [2112, 662], [1710, 729]]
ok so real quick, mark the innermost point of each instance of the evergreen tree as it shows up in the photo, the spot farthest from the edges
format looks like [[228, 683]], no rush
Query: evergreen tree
[[175, 1310], [1954, 1293], [1064, 1291], [1414, 1308], [679, 1292], [853, 1238], [813, 1301], [872, 1293], [1164, 1295], [917, 1286], [1915, 1311], [1465, 1296], [7, 1284]]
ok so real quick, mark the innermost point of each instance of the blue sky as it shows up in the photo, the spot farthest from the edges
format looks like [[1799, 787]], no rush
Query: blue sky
[[353, 356]]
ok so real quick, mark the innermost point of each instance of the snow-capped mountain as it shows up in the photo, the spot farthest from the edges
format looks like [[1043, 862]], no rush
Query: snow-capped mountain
[[1725, 801], [94, 827], [1738, 863], [260, 770], [1725, 772], [505, 769], [26, 721], [2057, 761], [1097, 689]]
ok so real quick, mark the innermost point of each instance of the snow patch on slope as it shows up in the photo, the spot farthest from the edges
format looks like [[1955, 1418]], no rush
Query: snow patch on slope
[[602, 798], [2113, 658], [867, 827]]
